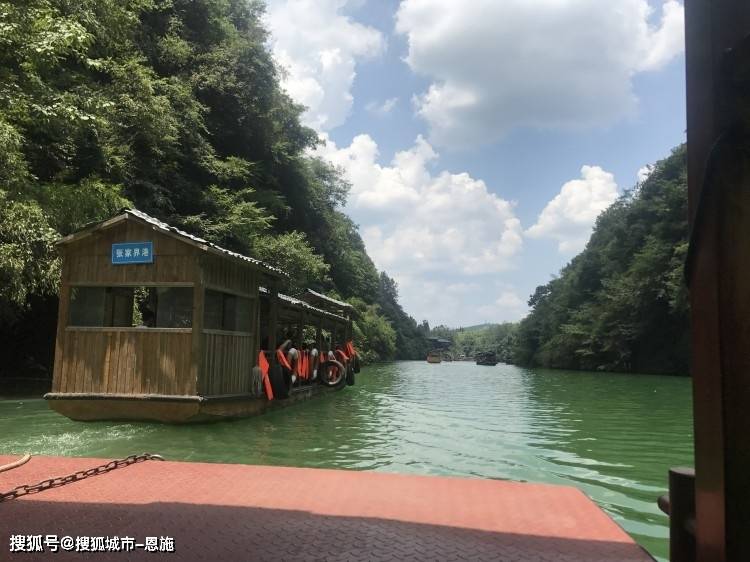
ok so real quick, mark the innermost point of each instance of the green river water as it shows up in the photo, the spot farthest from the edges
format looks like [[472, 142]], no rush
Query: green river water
[[614, 436]]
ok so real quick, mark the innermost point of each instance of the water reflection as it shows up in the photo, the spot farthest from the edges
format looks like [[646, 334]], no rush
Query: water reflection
[[625, 432], [614, 436]]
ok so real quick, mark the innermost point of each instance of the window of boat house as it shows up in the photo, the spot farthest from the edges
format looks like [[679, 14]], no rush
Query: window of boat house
[[174, 307], [224, 311], [134, 307], [87, 306]]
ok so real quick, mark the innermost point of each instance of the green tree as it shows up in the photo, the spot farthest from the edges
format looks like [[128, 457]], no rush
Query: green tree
[[373, 333], [621, 304], [174, 107], [28, 261], [292, 253], [411, 342]]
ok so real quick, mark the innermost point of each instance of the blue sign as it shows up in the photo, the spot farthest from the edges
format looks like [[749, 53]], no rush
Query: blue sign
[[132, 252]]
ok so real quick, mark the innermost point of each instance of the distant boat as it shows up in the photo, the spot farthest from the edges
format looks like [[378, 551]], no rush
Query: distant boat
[[434, 357], [486, 358]]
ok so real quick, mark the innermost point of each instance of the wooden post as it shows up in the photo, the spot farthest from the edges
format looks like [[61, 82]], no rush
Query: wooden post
[[273, 318], [258, 326], [719, 295], [199, 299], [300, 327], [679, 504], [63, 313]]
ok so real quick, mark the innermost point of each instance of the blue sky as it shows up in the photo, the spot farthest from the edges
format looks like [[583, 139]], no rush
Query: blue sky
[[482, 139]]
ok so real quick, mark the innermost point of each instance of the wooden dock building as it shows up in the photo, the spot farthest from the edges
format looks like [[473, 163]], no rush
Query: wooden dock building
[[158, 324]]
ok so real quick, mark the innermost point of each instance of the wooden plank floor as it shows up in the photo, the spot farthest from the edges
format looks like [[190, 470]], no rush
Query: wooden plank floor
[[239, 512]]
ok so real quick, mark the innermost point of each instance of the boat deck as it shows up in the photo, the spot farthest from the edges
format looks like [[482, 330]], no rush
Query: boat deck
[[239, 512]]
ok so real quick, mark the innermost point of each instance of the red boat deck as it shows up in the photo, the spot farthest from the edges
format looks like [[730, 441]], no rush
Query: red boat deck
[[238, 512]]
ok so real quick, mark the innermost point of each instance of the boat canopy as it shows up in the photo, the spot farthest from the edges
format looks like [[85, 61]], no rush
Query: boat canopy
[[326, 302]]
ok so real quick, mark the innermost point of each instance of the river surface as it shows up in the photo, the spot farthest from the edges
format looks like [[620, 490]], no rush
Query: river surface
[[614, 436]]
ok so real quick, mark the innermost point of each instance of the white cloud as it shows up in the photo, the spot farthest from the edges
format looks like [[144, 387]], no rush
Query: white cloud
[[508, 307], [668, 40], [532, 63], [383, 108], [320, 49], [437, 234], [459, 303], [645, 172], [569, 217], [414, 221], [509, 299]]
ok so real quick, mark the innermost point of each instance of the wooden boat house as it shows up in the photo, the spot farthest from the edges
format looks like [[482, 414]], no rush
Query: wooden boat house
[[157, 324]]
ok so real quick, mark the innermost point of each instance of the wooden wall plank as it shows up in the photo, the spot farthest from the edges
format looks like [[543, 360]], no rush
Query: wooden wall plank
[[168, 375], [62, 315], [126, 363], [125, 383], [197, 342], [61, 369], [117, 363], [78, 362], [107, 362], [185, 365], [227, 363]]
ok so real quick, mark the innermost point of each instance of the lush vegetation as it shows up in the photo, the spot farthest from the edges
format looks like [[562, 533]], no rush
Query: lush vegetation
[[621, 304], [174, 107], [498, 338]]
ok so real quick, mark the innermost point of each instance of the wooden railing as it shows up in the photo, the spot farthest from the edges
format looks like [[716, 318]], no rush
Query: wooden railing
[[679, 505]]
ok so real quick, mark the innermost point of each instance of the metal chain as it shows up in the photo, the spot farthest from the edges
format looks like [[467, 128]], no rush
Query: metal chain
[[76, 476]]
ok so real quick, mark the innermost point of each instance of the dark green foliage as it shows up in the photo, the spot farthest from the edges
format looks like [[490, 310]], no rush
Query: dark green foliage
[[411, 340], [175, 107], [499, 338], [373, 334], [621, 304], [28, 263]]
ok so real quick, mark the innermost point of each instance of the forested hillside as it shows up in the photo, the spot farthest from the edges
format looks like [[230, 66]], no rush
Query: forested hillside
[[173, 107], [499, 338], [621, 304]]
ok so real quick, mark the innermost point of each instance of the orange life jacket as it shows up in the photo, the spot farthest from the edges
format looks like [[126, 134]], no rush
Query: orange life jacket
[[350, 349], [302, 362], [300, 365], [281, 357], [263, 364]]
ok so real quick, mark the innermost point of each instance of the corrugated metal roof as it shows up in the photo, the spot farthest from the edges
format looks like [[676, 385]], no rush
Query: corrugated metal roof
[[302, 304], [164, 227], [324, 298]]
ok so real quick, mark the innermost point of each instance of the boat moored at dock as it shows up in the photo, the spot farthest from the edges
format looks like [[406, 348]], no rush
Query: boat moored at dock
[[486, 358], [434, 356], [157, 324]]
